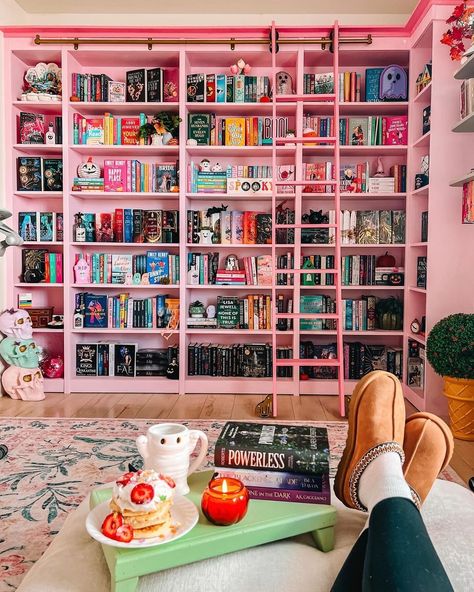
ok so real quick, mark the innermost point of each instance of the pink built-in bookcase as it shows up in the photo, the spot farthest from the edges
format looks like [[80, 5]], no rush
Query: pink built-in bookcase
[[449, 286]]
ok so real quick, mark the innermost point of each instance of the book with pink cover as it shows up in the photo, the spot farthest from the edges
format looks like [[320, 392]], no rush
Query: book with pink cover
[[396, 130], [115, 175], [264, 270], [171, 85]]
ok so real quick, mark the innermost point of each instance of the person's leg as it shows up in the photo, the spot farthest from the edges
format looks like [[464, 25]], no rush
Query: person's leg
[[399, 554], [349, 578]]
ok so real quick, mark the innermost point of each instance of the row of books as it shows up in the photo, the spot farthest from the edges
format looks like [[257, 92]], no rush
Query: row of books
[[41, 226], [224, 88], [208, 130], [362, 270], [41, 266], [153, 85], [317, 303], [109, 129], [132, 176], [416, 364], [467, 205], [284, 353], [371, 130], [39, 174], [228, 227], [382, 227], [250, 360], [122, 359], [127, 226], [115, 268], [275, 462], [100, 311], [32, 128], [317, 262], [467, 98], [203, 269], [359, 314], [251, 312]]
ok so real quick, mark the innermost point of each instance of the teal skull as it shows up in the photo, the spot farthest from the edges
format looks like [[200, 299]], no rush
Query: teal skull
[[24, 354]]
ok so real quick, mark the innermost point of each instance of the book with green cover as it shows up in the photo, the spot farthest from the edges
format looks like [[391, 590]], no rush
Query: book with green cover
[[273, 447], [199, 128]]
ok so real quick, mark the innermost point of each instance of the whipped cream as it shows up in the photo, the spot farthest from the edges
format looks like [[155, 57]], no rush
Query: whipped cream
[[163, 492]]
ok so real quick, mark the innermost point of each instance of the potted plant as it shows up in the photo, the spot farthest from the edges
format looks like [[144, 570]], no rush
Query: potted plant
[[162, 129], [450, 351]]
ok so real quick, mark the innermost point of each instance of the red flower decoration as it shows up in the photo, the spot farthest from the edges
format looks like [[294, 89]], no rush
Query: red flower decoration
[[462, 25]]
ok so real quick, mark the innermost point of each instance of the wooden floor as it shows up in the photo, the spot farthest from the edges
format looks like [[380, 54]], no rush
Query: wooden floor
[[145, 406]]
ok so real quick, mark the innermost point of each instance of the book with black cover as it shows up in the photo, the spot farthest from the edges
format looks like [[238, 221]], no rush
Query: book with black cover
[[124, 359], [86, 359], [273, 447], [136, 86], [30, 175], [154, 85]]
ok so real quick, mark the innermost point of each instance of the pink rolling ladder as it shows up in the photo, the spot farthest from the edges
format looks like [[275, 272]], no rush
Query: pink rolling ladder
[[296, 362]]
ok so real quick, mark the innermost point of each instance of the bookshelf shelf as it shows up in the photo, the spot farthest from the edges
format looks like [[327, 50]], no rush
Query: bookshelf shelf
[[465, 125], [417, 290], [466, 70], [411, 49], [38, 148], [47, 330], [465, 179], [420, 338], [425, 95], [423, 140], [42, 244]]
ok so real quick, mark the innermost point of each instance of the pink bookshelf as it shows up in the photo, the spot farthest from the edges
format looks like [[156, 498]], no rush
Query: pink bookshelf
[[411, 47]]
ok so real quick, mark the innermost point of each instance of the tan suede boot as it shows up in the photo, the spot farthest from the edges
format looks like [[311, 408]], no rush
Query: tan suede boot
[[376, 425], [428, 447]]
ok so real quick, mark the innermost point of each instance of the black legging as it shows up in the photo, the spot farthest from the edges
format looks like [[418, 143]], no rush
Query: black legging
[[395, 554]]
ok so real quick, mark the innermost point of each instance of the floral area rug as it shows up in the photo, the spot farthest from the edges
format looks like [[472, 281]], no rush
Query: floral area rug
[[47, 467]]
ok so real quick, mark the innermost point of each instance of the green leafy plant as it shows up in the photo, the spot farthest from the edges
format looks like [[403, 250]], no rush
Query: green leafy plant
[[162, 122], [450, 346]]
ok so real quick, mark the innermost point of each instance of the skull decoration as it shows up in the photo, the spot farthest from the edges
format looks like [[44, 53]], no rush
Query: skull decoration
[[17, 324], [23, 383], [393, 83], [24, 354], [284, 83]]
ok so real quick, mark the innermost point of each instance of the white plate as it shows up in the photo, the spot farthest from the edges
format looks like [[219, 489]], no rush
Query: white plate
[[183, 512]]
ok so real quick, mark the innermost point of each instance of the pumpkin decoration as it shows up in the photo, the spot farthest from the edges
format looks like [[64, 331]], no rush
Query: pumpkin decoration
[[389, 312], [386, 260], [309, 133], [88, 169]]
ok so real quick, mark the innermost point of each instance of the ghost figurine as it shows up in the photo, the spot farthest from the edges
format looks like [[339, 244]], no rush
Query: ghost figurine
[[17, 324], [25, 354], [216, 168], [12, 239], [23, 383], [205, 236], [393, 83], [284, 83]]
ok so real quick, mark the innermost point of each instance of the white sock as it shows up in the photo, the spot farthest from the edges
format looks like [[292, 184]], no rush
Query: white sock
[[383, 478]]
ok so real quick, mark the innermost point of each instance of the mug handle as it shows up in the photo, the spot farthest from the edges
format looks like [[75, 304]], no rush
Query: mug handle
[[194, 436]]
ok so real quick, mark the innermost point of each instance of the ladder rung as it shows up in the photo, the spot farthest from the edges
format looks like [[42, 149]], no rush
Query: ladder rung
[[289, 226], [308, 315], [293, 183], [307, 98], [309, 362], [310, 140]]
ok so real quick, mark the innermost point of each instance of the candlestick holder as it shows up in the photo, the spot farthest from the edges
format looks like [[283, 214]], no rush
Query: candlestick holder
[[225, 501]]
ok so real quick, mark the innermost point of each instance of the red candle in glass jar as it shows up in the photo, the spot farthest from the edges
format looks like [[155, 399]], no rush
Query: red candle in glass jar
[[225, 501]]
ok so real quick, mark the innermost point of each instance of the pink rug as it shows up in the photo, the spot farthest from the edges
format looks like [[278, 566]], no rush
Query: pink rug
[[51, 465]]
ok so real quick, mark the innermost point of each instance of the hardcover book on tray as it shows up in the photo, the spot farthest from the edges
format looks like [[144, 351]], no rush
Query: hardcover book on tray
[[273, 447]]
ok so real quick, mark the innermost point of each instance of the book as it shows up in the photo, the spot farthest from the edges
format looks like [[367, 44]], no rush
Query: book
[[171, 85], [95, 311], [358, 131], [33, 265], [53, 174], [152, 224], [372, 84], [468, 203], [426, 121], [124, 359], [396, 130], [276, 479], [290, 495], [86, 359], [122, 268], [235, 131], [94, 133], [157, 266], [228, 312], [28, 226], [195, 88], [421, 272], [154, 85], [199, 128], [255, 362], [116, 92], [166, 180], [115, 175], [129, 130], [273, 447], [46, 227], [136, 86], [104, 232], [324, 83], [29, 173], [31, 128]]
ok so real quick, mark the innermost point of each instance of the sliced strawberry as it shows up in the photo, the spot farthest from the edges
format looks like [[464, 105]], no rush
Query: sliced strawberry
[[168, 480], [111, 523], [124, 533], [125, 479], [142, 493]]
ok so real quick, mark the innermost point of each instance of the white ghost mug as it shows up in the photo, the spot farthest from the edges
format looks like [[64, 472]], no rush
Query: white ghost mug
[[167, 448]]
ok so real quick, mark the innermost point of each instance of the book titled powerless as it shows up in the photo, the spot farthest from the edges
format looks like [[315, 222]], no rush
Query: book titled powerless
[[273, 447]]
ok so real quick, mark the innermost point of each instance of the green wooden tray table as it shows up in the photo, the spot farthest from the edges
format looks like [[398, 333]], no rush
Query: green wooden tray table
[[265, 521]]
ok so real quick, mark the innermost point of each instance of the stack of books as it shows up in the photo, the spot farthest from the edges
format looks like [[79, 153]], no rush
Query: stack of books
[[226, 277], [276, 462]]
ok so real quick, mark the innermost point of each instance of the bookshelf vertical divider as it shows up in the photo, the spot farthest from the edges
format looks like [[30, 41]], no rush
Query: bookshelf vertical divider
[[388, 46]]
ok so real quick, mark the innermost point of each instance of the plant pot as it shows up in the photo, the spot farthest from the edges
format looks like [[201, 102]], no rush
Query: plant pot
[[157, 140], [460, 394]]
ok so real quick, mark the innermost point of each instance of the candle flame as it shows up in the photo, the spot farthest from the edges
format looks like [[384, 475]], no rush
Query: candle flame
[[224, 486]]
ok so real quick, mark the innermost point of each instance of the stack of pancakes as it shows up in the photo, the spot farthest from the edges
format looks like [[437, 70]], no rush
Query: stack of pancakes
[[154, 518]]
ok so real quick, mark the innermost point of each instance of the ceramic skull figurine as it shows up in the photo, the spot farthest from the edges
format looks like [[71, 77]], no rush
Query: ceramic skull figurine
[[24, 354], [23, 383], [17, 324]]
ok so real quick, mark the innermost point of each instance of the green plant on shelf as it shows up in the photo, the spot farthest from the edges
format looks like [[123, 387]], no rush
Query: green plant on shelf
[[389, 313], [450, 346], [164, 126]]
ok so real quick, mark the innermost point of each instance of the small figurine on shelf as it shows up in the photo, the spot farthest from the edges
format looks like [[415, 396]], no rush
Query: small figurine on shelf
[[393, 83], [379, 172], [205, 236], [284, 83], [196, 310], [172, 371], [240, 67], [204, 166], [50, 136], [211, 311], [232, 262], [216, 168], [88, 169]]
